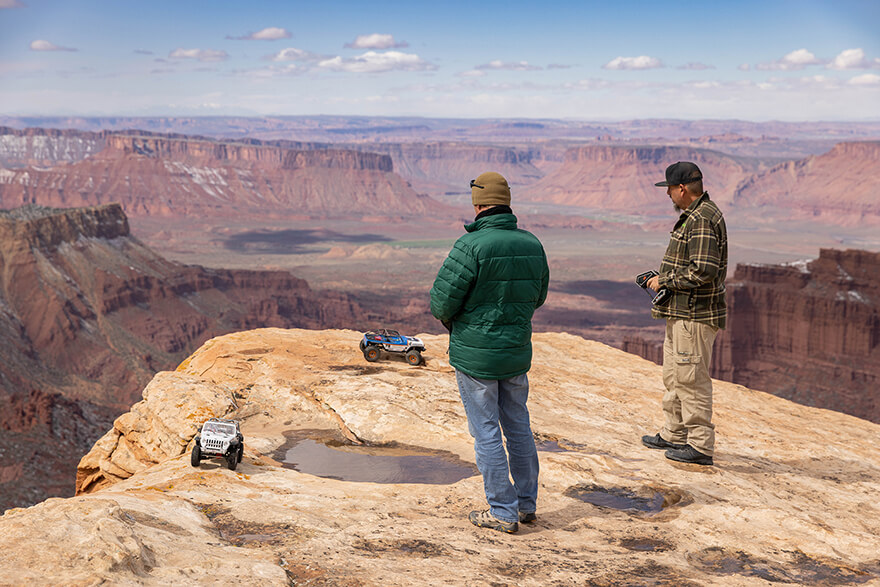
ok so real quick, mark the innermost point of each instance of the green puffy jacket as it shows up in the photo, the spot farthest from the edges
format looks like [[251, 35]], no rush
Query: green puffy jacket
[[493, 280]]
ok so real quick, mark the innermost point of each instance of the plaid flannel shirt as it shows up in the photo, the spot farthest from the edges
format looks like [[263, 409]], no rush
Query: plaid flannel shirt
[[695, 266]]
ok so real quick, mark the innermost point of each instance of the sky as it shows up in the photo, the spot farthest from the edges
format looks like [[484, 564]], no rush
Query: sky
[[612, 60]]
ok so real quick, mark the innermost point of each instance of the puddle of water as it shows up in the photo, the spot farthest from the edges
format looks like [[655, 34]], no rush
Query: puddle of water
[[324, 454], [645, 544], [617, 498], [646, 500]]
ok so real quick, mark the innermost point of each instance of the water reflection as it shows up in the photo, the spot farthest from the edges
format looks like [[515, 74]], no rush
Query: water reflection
[[323, 454]]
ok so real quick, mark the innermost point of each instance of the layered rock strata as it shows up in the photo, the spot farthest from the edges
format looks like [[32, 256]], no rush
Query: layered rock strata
[[806, 331], [46, 147], [839, 186], [622, 178], [157, 175], [88, 314], [790, 499]]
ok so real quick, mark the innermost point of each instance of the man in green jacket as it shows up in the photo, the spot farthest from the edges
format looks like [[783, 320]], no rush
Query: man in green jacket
[[493, 280], [693, 270]]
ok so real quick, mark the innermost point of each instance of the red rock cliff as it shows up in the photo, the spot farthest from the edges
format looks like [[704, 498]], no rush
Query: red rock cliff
[[840, 185], [88, 314], [152, 175], [808, 332], [46, 146], [623, 177]]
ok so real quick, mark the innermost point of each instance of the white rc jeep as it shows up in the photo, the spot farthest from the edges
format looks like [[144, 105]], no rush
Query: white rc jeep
[[218, 438]]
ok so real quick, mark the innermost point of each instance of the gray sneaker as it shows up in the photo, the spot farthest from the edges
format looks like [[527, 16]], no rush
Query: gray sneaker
[[527, 517], [485, 519]]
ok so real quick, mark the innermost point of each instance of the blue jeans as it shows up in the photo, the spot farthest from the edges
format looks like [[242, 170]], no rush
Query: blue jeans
[[492, 406]]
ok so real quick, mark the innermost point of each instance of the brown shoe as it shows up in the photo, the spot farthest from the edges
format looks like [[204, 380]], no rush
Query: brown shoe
[[485, 519], [527, 517]]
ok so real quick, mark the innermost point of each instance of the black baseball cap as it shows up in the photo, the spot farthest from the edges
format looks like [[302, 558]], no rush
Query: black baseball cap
[[681, 172]]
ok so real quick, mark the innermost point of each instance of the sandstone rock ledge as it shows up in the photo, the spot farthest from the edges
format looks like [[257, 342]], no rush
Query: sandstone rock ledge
[[792, 498]]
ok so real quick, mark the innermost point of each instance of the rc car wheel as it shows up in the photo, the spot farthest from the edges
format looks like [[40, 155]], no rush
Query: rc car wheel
[[362, 345], [414, 357], [232, 460], [196, 456], [240, 452], [371, 353]]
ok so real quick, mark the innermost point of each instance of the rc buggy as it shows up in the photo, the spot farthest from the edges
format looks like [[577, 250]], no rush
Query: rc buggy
[[219, 438], [391, 341]]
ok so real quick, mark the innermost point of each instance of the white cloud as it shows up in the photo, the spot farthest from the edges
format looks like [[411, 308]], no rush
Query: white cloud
[[376, 41], [41, 45], [293, 54], [867, 79], [472, 73], [267, 34], [695, 66], [640, 62], [11, 4], [373, 62], [509, 65], [199, 54], [744, 67], [795, 60], [853, 59], [273, 71]]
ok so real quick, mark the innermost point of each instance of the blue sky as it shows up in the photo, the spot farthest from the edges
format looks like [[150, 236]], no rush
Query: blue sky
[[752, 60]]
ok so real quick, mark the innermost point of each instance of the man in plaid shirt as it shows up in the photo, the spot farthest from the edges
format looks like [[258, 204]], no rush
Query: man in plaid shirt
[[693, 270]]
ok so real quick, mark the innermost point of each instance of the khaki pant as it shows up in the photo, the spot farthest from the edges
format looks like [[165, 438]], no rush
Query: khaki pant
[[687, 404]]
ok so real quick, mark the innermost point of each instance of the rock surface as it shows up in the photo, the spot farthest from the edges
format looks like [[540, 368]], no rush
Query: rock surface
[[790, 500]]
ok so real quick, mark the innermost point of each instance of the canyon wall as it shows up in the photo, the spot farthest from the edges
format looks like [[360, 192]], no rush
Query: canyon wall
[[807, 331], [840, 186], [438, 168], [88, 314], [622, 178], [46, 147], [159, 175]]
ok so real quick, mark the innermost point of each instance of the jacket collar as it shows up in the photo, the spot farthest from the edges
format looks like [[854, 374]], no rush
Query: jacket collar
[[691, 209], [502, 220]]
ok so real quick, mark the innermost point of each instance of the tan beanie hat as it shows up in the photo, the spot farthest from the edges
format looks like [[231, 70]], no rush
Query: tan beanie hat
[[490, 189]]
